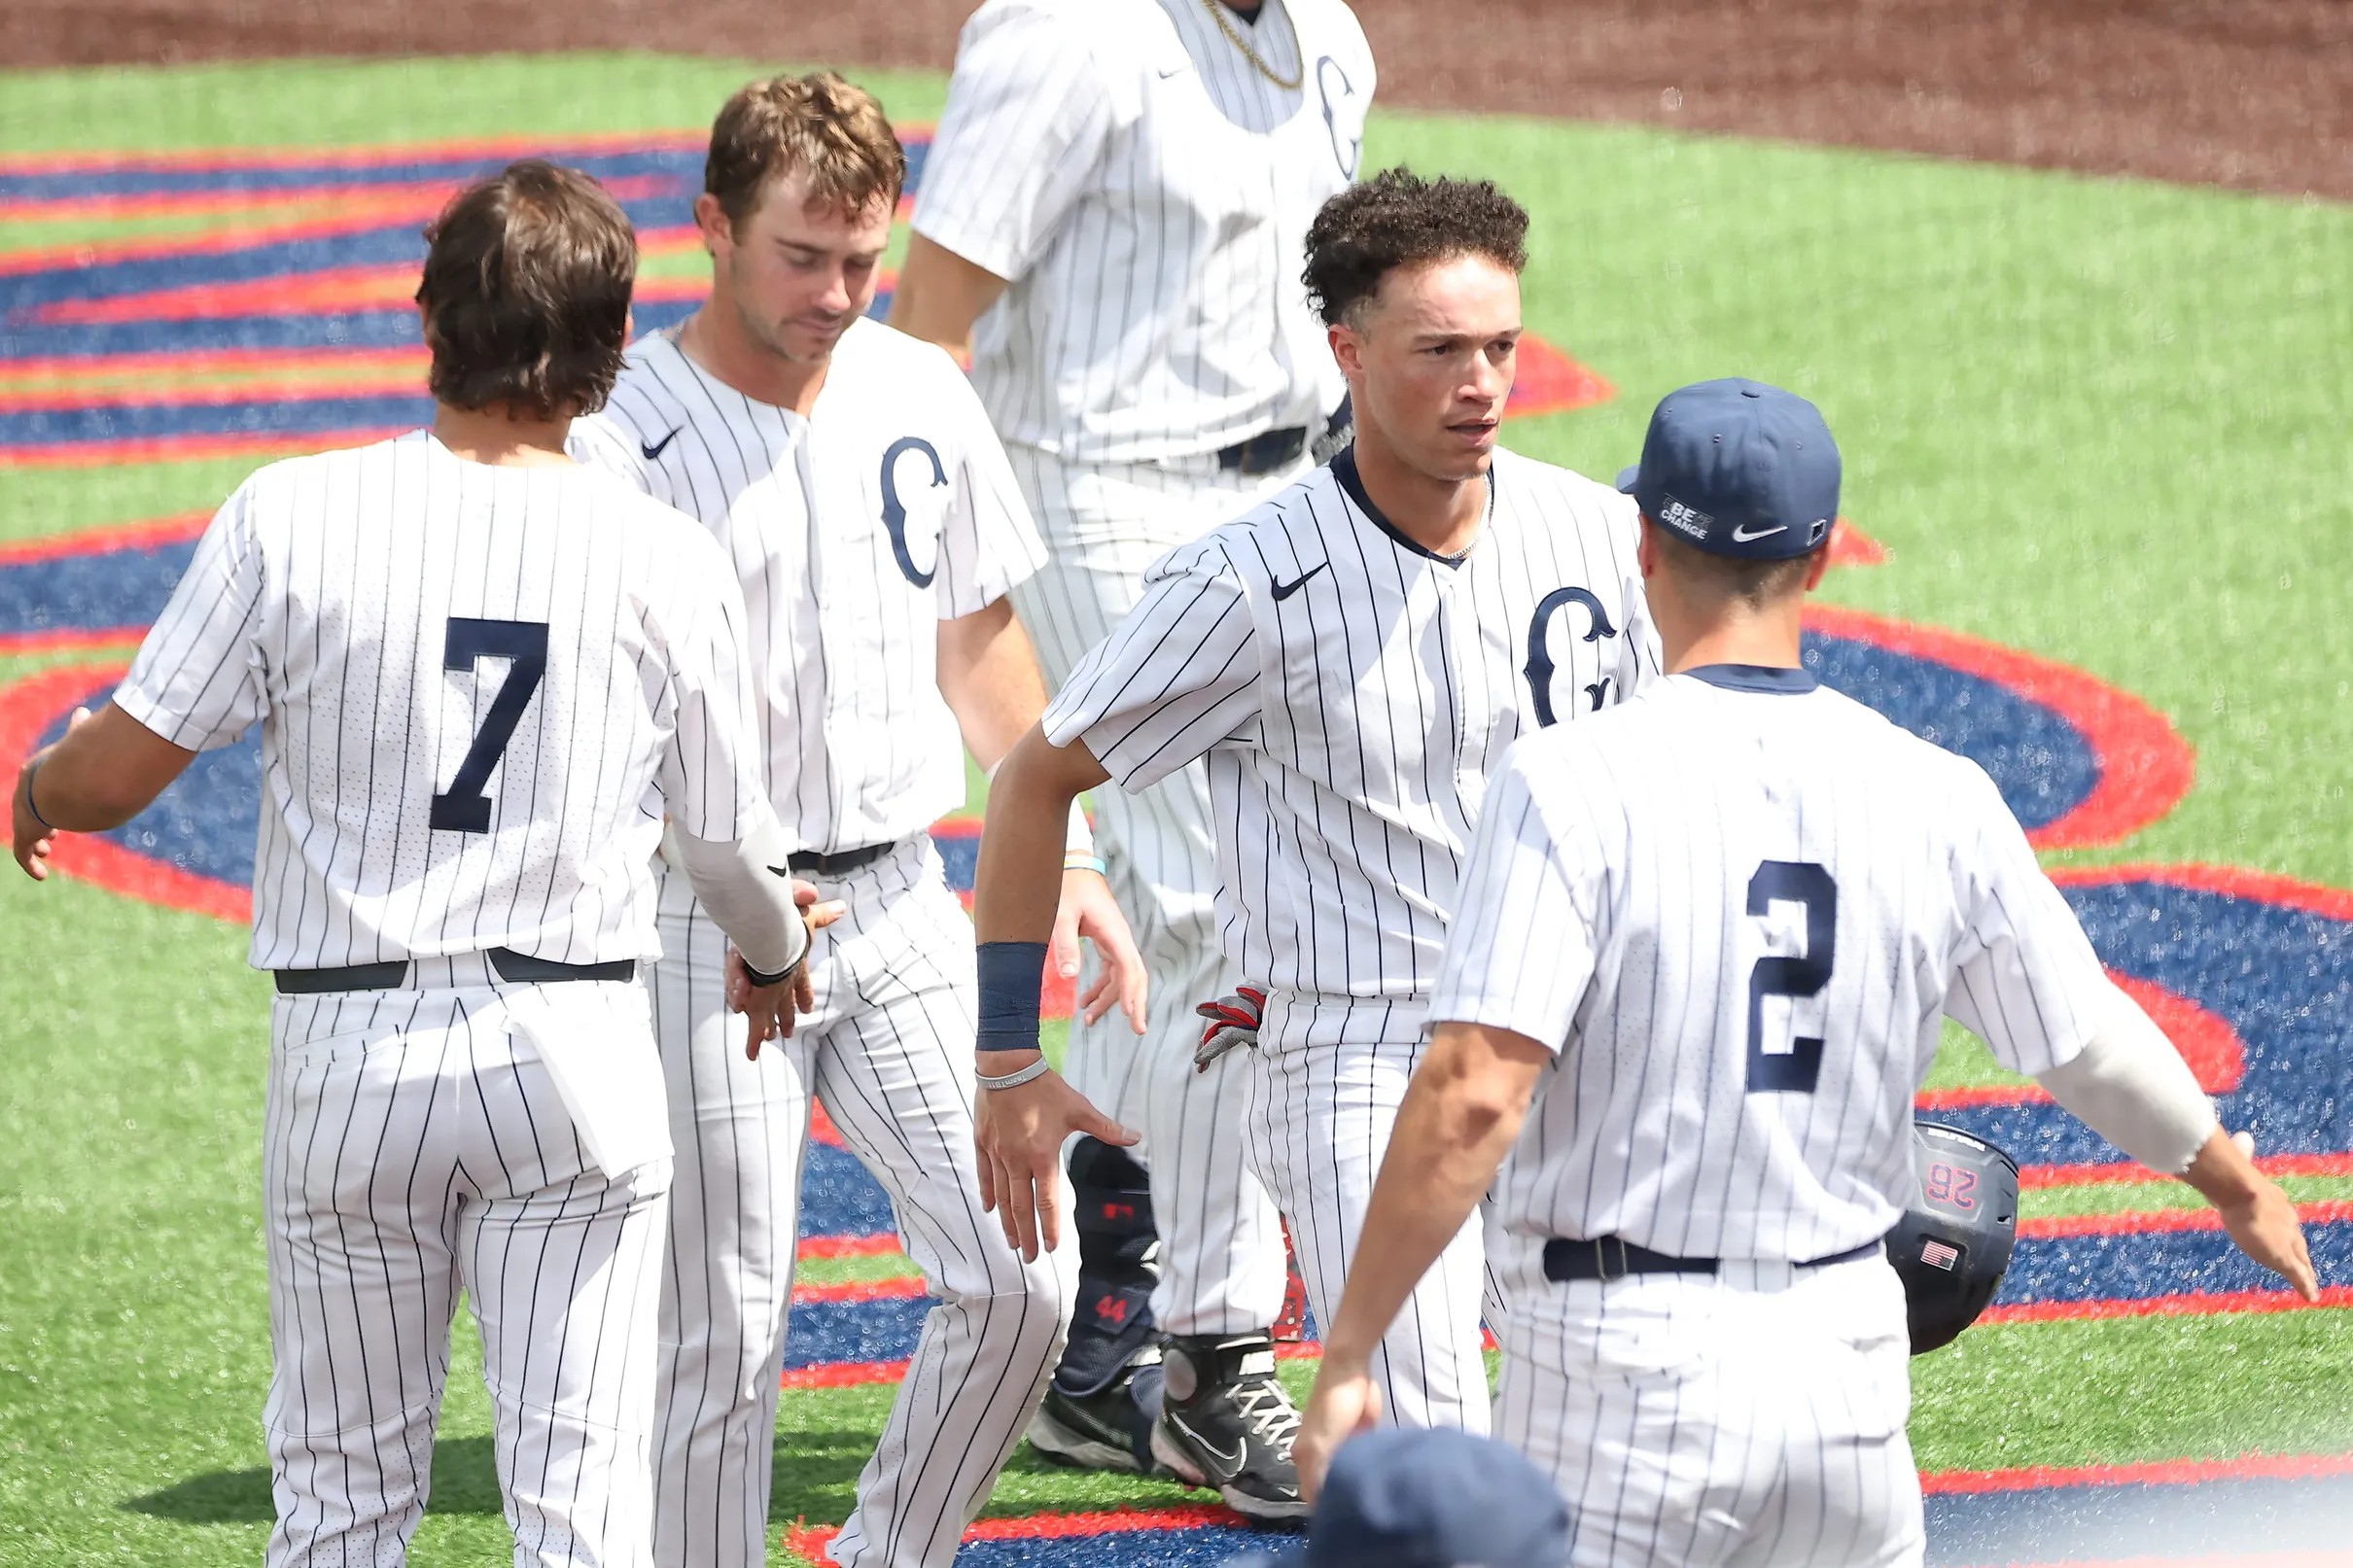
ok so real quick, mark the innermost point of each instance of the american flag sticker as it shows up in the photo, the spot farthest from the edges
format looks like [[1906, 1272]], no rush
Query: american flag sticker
[[1939, 1255]]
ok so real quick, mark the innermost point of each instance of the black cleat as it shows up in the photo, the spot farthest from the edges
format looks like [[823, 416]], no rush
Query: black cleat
[[1111, 1429], [1227, 1424]]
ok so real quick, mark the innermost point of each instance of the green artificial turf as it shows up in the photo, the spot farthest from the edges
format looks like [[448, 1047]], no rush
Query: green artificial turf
[[2101, 421]]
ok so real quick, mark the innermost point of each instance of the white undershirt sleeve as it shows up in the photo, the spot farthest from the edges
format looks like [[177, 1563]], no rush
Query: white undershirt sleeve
[[2130, 1086], [747, 885]]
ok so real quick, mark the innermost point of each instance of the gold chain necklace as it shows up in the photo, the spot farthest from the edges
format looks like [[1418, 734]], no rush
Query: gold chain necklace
[[1217, 10]]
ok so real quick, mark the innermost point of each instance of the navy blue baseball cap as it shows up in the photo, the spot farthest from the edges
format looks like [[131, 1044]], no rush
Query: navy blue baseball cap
[[1739, 468], [1439, 1498]]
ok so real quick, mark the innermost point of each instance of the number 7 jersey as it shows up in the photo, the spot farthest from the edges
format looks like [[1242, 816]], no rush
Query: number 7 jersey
[[479, 691], [1737, 908]]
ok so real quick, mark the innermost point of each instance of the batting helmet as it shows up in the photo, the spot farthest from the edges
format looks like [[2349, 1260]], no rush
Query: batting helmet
[[1954, 1243]]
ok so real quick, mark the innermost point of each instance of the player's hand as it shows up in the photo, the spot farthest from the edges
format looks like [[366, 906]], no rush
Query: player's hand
[[2262, 1222], [1019, 1133], [1344, 1403], [1088, 909], [774, 1009], [28, 837]]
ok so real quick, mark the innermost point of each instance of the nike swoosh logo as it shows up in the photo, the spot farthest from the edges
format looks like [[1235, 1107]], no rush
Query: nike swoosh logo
[[1742, 535], [780, 871], [1283, 590], [1168, 71], [655, 449], [1230, 1465]]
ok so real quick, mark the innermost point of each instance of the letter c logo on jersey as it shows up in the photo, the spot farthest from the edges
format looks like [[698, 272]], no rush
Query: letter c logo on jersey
[[895, 511], [1334, 87], [1540, 654]]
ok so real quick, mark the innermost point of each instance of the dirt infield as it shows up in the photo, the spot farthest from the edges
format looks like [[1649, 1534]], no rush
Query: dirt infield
[[2253, 93]]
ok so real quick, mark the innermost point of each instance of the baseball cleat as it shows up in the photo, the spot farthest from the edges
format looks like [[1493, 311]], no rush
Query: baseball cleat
[[1109, 1429], [1227, 1424]]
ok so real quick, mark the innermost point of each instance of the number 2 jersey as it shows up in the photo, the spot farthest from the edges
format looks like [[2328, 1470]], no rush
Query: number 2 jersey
[[479, 691], [1737, 907], [1351, 690]]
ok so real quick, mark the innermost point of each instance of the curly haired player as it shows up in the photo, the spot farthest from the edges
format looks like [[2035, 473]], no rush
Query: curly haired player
[[1111, 216], [1351, 657]]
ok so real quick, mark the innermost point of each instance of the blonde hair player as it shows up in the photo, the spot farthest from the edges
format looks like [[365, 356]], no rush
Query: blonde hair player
[[1110, 219], [482, 674], [853, 480], [1704, 949]]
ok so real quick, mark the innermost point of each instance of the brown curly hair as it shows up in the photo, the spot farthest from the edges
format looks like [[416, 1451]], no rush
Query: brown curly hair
[[526, 292], [1398, 218]]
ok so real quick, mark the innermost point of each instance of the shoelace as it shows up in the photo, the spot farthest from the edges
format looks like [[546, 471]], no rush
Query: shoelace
[[1267, 1410]]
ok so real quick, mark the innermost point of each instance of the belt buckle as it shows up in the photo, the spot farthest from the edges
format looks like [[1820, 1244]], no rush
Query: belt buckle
[[1601, 1259]]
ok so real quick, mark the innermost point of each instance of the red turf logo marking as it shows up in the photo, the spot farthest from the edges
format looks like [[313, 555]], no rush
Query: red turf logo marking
[[2184, 1304], [2216, 1055], [2146, 767]]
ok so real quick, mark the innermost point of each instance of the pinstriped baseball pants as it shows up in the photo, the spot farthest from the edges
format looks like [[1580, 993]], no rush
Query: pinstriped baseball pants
[[1751, 1420], [1221, 1257], [413, 1146], [890, 1051], [1326, 1080]]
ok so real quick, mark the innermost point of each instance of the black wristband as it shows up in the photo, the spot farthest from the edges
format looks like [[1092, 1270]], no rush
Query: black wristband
[[761, 978], [31, 768]]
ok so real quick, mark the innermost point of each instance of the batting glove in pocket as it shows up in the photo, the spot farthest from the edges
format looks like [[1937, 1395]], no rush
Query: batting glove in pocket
[[1232, 1021]]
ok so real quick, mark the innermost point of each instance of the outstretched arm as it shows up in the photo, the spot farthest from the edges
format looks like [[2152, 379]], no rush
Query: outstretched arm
[[1019, 1128], [2129, 1085], [106, 770]]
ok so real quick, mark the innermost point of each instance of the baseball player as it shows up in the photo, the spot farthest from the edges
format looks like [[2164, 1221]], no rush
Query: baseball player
[[1710, 937], [1111, 221], [854, 482], [1351, 658], [484, 673]]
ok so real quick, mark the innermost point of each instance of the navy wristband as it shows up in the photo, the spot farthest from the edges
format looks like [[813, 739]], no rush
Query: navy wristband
[[1010, 976]]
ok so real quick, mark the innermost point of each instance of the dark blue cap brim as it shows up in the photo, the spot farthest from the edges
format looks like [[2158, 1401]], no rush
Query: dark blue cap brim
[[1627, 478]]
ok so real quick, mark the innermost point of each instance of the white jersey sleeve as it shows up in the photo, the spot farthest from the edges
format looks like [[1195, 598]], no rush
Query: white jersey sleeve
[[1028, 116], [1177, 676], [988, 542], [198, 679], [1521, 953], [1639, 661], [600, 441], [710, 778], [2026, 980]]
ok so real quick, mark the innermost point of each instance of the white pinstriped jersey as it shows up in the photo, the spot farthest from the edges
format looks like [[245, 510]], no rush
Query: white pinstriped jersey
[[479, 691], [1351, 691], [855, 532], [1147, 191], [1737, 907]]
